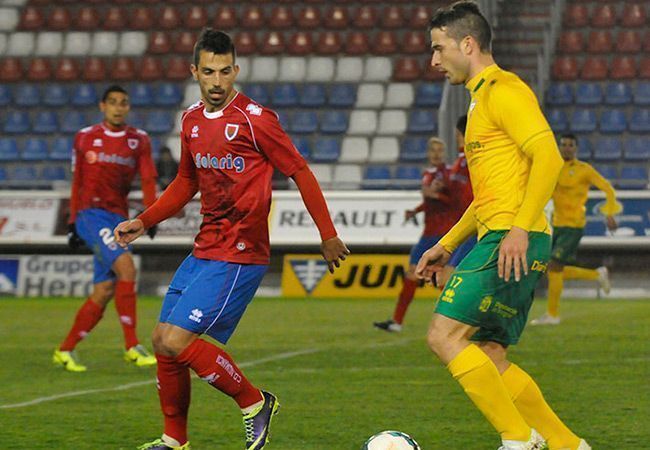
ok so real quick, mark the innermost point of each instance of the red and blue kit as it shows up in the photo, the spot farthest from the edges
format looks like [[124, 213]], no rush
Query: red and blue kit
[[461, 188]]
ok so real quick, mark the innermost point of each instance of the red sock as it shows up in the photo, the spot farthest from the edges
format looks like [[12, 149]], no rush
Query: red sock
[[174, 392], [125, 306], [87, 317], [216, 367], [405, 298]]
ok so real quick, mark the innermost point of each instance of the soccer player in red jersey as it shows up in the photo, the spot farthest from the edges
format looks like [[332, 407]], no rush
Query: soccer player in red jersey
[[230, 147], [439, 217]]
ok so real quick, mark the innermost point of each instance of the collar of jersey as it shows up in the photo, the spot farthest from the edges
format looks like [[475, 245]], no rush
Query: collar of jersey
[[110, 133], [217, 114], [477, 81]]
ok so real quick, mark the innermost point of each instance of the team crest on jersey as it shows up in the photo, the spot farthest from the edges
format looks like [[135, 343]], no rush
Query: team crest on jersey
[[472, 106], [254, 109], [195, 131], [132, 143], [309, 272], [231, 131], [97, 143]]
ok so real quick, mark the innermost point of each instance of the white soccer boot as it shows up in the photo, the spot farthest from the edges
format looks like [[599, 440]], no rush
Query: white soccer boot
[[536, 442], [582, 446], [546, 319], [603, 279]]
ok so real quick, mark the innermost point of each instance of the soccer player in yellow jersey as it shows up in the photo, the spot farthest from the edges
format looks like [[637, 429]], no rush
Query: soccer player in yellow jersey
[[514, 164], [569, 200]]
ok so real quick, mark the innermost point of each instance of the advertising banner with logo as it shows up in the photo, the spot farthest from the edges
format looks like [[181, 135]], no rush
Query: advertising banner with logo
[[361, 276], [25, 219]]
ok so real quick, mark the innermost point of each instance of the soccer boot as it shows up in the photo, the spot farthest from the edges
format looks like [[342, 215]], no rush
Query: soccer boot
[[603, 279], [159, 444], [257, 423], [389, 325], [536, 442], [583, 445], [68, 360], [546, 319], [139, 356]]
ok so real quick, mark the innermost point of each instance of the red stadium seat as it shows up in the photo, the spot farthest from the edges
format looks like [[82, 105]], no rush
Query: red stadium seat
[[10, 70], [357, 43], [32, 19], [430, 73], [623, 68], [150, 69], [94, 69], [272, 43], [309, 18], [646, 41], [86, 19], [634, 15], [159, 43], [39, 70], [600, 41], [407, 69], [196, 18], [329, 43], [177, 69], [169, 18], [420, 17], [245, 43], [594, 68], [253, 18], [628, 41], [337, 18], [281, 17], [392, 17], [184, 42], [571, 42], [67, 69], [59, 19], [365, 17], [141, 18], [300, 43], [225, 18], [576, 16], [565, 68], [115, 19], [415, 43], [384, 43], [644, 69], [122, 69], [603, 16]]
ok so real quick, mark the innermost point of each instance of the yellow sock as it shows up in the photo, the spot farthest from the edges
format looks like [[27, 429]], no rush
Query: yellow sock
[[481, 381], [555, 286], [578, 273], [538, 414]]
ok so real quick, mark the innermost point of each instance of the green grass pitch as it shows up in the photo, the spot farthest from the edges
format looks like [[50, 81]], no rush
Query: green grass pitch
[[338, 380]]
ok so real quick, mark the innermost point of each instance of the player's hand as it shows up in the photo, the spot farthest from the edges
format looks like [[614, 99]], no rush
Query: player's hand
[[334, 250], [409, 214], [512, 254], [432, 262], [74, 240], [128, 231], [437, 185], [151, 232], [611, 223]]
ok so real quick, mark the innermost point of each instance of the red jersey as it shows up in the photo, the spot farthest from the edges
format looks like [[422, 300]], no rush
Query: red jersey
[[231, 153], [461, 185], [104, 163], [439, 214]]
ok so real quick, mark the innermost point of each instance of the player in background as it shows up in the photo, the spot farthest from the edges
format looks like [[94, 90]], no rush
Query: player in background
[[230, 147], [439, 217], [569, 199], [514, 164], [106, 158]]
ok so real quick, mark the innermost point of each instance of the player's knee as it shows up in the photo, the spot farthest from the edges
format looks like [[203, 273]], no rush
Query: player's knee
[[169, 344], [436, 340], [103, 293], [124, 268]]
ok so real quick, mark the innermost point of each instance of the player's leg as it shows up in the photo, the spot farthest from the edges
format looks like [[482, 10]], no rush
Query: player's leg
[[600, 274]]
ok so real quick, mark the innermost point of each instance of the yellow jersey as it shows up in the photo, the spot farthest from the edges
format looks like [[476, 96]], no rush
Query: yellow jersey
[[570, 195]]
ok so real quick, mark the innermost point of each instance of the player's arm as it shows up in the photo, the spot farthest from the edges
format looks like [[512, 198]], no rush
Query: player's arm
[[74, 240], [410, 213], [610, 207], [148, 178]]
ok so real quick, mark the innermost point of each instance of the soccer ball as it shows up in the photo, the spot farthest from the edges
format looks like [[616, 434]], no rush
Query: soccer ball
[[391, 440]]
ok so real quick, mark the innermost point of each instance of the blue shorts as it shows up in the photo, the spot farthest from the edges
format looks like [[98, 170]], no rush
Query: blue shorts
[[424, 244], [209, 297], [95, 226], [461, 252]]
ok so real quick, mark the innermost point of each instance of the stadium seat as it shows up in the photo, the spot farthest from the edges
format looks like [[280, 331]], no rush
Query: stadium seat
[[61, 149], [53, 173], [35, 149], [136, 119], [349, 68], [557, 119], [594, 68], [86, 18], [3, 175], [191, 95], [354, 150], [55, 95], [608, 149], [558, 94], [159, 122], [67, 69], [413, 149], [613, 121], [378, 68], [303, 145], [132, 43], [323, 173], [16, 122], [141, 18], [428, 95], [48, 43], [585, 152], [20, 43], [94, 69], [391, 122], [284, 119], [407, 177], [407, 69], [59, 19], [571, 42], [608, 171], [633, 177], [642, 93], [365, 17], [640, 121], [336, 18], [39, 70], [628, 41], [370, 95], [634, 15], [599, 41], [618, 94], [334, 122], [244, 63], [169, 18], [258, 92], [623, 68], [272, 43], [377, 177], [105, 43], [384, 149], [329, 43], [313, 95], [168, 94], [284, 95], [637, 149], [77, 43], [392, 17], [582, 121], [385, 43], [304, 122], [292, 68], [122, 69], [603, 16], [24, 173], [309, 18], [5, 95], [420, 18], [225, 18], [357, 43], [281, 18], [342, 95], [84, 94], [73, 121], [576, 15], [31, 19], [3, 43], [414, 43], [347, 176], [8, 149], [399, 95], [565, 68], [264, 69], [326, 150], [588, 93], [422, 121], [27, 95], [150, 69], [430, 73], [177, 69], [362, 122], [300, 43], [115, 19], [141, 95], [253, 18], [45, 122], [644, 69], [195, 18], [159, 43]]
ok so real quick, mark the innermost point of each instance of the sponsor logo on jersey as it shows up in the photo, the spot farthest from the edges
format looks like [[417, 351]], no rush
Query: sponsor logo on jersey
[[195, 131], [228, 162], [196, 315], [98, 143], [254, 109], [115, 159], [132, 143], [309, 272], [91, 157], [231, 131]]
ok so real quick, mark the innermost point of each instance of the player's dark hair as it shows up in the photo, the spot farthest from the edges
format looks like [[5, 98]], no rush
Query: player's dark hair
[[569, 136], [464, 19], [461, 124], [213, 41], [113, 88]]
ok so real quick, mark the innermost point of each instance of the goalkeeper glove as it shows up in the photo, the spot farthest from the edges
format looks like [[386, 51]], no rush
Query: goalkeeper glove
[[74, 240]]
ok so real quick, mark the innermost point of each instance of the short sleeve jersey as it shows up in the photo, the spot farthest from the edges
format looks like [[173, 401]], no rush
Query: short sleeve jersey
[[438, 215], [106, 163], [232, 154], [504, 119]]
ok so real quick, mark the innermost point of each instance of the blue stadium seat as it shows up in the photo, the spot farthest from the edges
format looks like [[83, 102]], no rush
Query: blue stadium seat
[[283, 118], [27, 95], [608, 171], [407, 176], [136, 119], [73, 121], [8, 149], [45, 122], [53, 173], [557, 119], [61, 149], [613, 121], [313, 95], [55, 95], [5, 95], [326, 150], [640, 121], [422, 121], [35, 149], [304, 122], [285, 95], [608, 149], [343, 95], [84, 94], [637, 149], [414, 149], [168, 94], [159, 122], [585, 149], [633, 177], [156, 145], [588, 94], [303, 145], [642, 93], [16, 122], [583, 121], [428, 95], [257, 92], [377, 177], [24, 173], [559, 94], [334, 122], [141, 94], [3, 174], [618, 94]]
